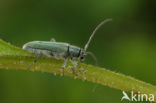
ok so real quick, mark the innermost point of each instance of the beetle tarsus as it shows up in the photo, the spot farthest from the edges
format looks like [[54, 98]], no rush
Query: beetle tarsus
[[74, 71], [62, 71]]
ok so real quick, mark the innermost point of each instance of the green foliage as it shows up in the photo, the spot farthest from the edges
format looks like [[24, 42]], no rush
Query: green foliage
[[12, 57]]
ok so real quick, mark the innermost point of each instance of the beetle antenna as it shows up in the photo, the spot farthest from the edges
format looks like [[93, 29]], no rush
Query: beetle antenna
[[94, 57], [92, 35]]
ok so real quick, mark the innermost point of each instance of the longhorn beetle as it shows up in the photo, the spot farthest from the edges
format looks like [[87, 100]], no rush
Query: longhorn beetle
[[61, 50]]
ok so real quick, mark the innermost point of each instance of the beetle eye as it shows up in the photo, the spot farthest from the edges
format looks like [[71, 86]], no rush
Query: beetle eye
[[82, 57]]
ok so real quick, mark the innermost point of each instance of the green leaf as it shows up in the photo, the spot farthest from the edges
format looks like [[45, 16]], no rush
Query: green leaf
[[12, 57]]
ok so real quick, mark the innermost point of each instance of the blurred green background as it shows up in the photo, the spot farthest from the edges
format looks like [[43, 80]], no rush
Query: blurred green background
[[126, 45]]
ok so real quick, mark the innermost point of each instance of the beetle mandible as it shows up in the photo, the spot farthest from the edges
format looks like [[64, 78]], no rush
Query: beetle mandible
[[61, 50]]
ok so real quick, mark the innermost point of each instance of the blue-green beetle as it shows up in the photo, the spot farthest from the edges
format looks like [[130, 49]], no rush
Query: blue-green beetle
[[61, 50]]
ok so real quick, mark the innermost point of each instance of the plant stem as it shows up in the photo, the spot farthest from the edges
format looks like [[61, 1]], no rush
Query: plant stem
[[12, 57]]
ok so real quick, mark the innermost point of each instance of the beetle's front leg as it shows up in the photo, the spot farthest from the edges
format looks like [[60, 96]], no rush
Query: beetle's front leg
[[75, 63], [63, 66]]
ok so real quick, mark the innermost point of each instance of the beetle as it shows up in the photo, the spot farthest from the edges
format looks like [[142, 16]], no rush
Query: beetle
[[62, 50]]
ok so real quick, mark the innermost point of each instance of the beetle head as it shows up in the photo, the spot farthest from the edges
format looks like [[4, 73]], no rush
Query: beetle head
[[82, 56]]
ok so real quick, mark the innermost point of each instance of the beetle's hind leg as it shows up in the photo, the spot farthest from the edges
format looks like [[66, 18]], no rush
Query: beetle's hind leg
[[53, 40], [30, 65]]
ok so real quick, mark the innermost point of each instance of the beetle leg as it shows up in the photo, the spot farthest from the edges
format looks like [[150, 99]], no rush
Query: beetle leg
[[30, 65], [63, 66], [53, 40], [75, 66]]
